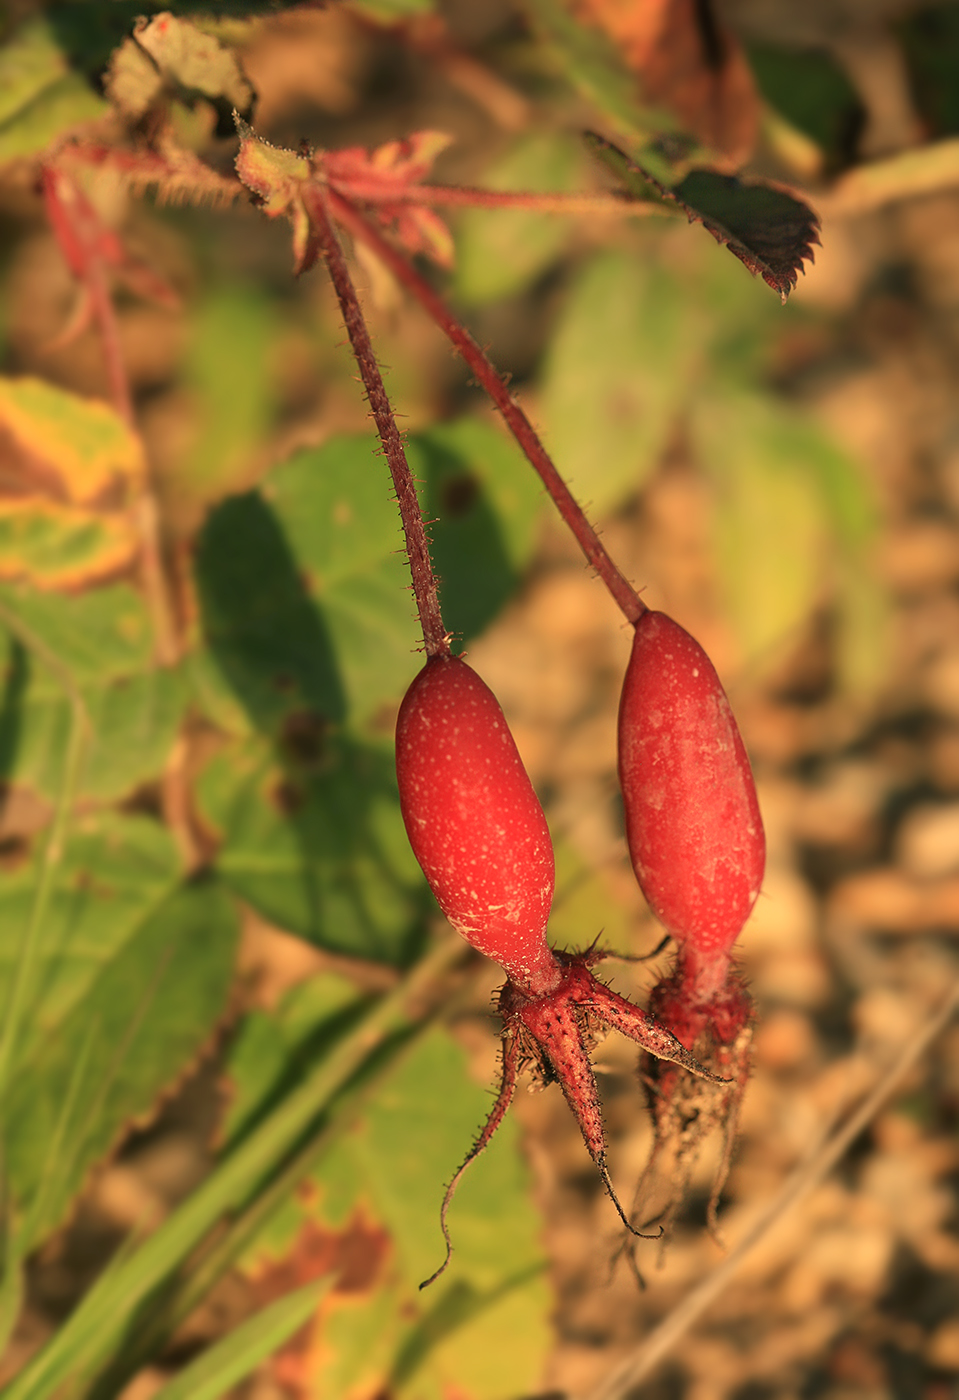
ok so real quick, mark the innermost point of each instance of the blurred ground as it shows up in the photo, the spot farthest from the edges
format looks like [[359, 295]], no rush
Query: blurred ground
[[855, 1296]]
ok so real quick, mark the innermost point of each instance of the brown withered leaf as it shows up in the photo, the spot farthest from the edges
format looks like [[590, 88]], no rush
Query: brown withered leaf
[[688, 62], [765, 225]]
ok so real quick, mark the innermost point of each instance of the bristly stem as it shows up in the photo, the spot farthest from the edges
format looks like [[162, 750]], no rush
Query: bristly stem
[[435, 636], [624, 594]]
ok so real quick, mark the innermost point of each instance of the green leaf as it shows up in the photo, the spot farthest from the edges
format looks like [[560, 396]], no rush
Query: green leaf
[[484, 501], [137, 972], [30, 62], [303, 597], [304, 588], [320, 848], [500, 252], [242, 1349], [769, 229], [234, 398], [483, 1329], [39, 97], [101, 643], [621, 366], [77, 468], [788, 499], [930, 41], [584, 907]]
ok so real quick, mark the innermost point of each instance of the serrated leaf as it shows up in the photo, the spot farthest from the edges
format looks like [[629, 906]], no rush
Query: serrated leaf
[[483, 1330], [138, 973], [621, 364], [321, 851], [766, 226], [102, 642], [500, 252]]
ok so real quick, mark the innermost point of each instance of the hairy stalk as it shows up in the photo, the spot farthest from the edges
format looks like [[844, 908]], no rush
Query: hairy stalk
[[145, 511], [624, 594], [435, 636], [475, 197]]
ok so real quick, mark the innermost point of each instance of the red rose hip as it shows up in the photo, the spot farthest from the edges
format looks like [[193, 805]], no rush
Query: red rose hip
[[474, 821], [692, 819]]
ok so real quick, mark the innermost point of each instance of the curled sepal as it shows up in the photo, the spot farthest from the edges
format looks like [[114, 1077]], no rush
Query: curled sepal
[[510, 1063], [553, 1032]]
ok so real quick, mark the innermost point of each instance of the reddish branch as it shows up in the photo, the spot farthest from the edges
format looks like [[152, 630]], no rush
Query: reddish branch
[[626, 597], [435, 636]]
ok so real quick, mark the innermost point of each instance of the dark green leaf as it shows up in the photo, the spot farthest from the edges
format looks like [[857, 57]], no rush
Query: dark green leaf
[[318, 845], [484, 500], [812, 92], [767, 227]]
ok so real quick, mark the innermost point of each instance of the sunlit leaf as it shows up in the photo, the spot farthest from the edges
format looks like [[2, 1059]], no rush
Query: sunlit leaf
[[78, 448], [102, 642], [621, 364], [137, 973], [40, 98], [789, 503], [499, 252], [482, 1330], [172, 53], [232, 397], [236, 1354]]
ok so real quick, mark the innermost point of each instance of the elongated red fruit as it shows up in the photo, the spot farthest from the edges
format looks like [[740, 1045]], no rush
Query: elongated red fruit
[[474, 821], [692, 819]]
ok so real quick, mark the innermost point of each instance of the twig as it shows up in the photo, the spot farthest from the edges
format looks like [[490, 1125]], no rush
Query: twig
[[907, 175], [798, 1185], [533, 201], [625, 596], [435, 636]]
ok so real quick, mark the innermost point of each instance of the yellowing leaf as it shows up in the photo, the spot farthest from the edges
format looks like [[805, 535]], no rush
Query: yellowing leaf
[[60, 546], [69, 471], [66, 446]]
